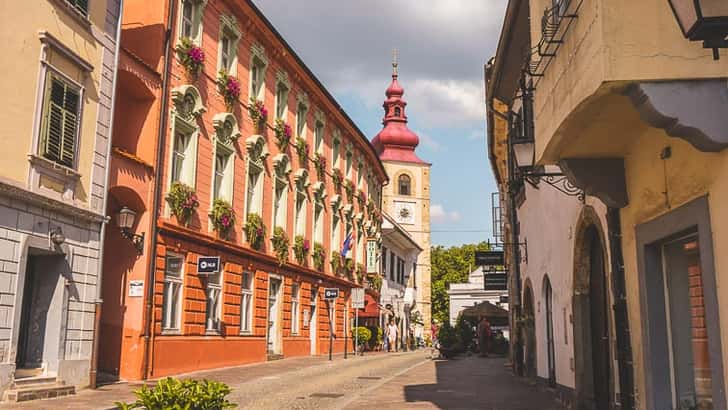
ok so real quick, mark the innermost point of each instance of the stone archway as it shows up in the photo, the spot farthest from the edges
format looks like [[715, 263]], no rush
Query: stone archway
[[591, 318], [529, 331]]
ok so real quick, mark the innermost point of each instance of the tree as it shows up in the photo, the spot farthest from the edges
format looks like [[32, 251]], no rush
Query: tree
[[450, 265]]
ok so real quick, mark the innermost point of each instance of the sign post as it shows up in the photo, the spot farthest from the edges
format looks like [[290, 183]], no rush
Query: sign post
[[357, 302], [329, 295]]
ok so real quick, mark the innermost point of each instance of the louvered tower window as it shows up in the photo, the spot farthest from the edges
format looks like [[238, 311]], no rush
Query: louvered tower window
[[60, 116]]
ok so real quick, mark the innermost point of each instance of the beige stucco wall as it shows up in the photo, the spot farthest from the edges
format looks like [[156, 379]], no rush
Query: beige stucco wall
[[21, 22], [690, 174], [420, 230]]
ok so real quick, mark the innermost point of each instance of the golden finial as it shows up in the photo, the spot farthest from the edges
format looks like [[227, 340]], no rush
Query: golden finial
[[394, 62]]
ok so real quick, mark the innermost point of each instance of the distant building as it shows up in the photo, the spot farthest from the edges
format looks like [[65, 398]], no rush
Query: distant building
[[472, 292]]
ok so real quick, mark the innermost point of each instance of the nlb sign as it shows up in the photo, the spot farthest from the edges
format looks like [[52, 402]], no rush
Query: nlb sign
[[208, 264], [331, 293]]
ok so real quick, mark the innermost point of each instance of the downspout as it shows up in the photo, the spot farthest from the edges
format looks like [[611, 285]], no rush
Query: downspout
[[621, 319], [516, 261], [151, 271], [102, 239]]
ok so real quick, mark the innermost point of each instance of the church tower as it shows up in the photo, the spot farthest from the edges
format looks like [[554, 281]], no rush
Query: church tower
[[407, 197]]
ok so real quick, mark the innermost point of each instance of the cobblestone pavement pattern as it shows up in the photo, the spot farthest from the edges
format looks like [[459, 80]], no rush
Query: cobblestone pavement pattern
[[377, 381]]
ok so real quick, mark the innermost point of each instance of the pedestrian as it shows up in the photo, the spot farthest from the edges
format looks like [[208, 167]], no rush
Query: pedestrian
[[484, 333], [392, 336], [418, 335]]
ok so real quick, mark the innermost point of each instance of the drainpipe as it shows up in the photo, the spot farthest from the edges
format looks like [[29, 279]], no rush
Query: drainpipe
[[516, 258], [621, 320], [149, 314], [102, 238]]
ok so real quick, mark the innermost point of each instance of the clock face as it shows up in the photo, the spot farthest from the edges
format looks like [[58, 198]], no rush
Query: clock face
[[404, 212]]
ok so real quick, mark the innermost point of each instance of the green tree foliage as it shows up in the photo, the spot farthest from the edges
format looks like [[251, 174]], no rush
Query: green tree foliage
[[450, 265]]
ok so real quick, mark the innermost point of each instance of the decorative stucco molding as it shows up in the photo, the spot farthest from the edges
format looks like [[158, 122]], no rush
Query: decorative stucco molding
[[187, 101], [257, 52], [226, 128], [693, 110]]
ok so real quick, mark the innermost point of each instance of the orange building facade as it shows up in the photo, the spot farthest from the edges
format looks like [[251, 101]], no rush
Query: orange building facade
[[275, 201]]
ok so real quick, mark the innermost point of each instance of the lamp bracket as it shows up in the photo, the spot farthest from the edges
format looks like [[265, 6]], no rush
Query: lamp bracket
[[136, 240], [556, 180]]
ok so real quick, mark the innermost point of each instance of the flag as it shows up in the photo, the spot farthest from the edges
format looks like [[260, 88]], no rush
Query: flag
[[346, 245]]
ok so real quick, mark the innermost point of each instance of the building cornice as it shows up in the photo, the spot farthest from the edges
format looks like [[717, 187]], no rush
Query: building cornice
[[21, 194]]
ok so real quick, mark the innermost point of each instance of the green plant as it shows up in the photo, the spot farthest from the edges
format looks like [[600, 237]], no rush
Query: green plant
[[222, 216], [336, 263], [258, 113], [255, 231], [337, 178], [302, 150], [446, 336], [361, 198], [318, 255], [349, 188], [464, 330], [280, 244], [363, 333], [301, 247], [190, 56], [359, 272], [283, 134], [376, 282], [182, 201], [229, 87], [319, 161], [188, 394], [349, 266]]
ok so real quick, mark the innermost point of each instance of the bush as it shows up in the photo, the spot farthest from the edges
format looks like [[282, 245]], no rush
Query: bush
[[364, 335], [188, 394], [446, 336]]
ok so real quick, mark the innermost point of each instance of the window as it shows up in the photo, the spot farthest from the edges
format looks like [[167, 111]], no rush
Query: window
[[80, 6], [258, 65], [318, 135], [295, 307], [392, 267], [348, 165], [301, 213], [212, 311], [384, 261], [400, 271], [227, 59], [61, 112], [318, 226], [246, 303], [223, 174], [404, 184], [360, 245], [335, 152], [301, 113], [183, 154], [280, 204], [190, 24], [255, 185], [335, 234], [281, 100], [360, 174], [174, 264]]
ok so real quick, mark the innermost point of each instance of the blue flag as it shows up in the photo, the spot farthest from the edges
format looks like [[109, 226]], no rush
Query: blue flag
[[346, 246]]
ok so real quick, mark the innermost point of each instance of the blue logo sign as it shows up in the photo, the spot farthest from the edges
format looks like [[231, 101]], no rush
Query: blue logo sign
[[208, 264]]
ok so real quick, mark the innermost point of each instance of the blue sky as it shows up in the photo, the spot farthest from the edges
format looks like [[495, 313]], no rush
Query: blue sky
[[442, 47]]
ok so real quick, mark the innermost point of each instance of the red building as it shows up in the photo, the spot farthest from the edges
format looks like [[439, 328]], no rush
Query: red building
[[275, 201]]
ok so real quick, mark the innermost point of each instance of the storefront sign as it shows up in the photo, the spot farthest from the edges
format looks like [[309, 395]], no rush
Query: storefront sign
[[331, 293], [372, 265], [496, 281], [357, 298], [136, 288], [489, 258], [208, 264]]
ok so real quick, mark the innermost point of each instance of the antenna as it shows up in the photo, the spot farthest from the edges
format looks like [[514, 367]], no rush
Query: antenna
[[394, 62]]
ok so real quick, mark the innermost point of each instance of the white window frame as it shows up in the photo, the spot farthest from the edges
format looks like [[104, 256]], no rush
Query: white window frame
[[335, 150], [228, 173], [360, 173], [189, 166], [198, 10], [170, 316], [335, 232], [349, 163], [229, 30], [246, 326], [319, 129], [300, 215], [282, 94], [318, 222], [258, 66], [295, 308], [257, 152], [301, 114], [280, 203], [213, 292]]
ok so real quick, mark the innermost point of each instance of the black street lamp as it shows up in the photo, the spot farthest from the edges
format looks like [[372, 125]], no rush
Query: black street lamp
[[125, 221], [524, 151], [703, 20]]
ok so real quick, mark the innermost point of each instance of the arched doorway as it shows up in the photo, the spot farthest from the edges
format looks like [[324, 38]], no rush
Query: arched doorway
[[550, 352], [594, 383], [529, 333]]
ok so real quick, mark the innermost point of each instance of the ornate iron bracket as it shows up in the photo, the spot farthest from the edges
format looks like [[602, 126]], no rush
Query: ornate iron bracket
[[558, 181]]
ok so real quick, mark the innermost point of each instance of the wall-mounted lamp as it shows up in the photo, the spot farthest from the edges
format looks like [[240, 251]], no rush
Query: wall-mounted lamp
[[57, 236], [125, 221], [703, 20]]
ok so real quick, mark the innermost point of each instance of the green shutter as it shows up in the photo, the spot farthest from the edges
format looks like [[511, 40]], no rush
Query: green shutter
[[80, 5], [61, 122]]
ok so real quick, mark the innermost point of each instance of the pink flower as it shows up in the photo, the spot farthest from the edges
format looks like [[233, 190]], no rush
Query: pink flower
[[287, 130], [306, 245], [263, 112], [259, 232], [225, 221], [196, 55]]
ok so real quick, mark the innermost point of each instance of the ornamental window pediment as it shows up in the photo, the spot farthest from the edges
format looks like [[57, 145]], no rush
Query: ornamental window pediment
[[257, 149], [226, 128], [187, 102], [300, 178], [336, 203], [358, 218], [348, 211], [319, 192], [282, 166]]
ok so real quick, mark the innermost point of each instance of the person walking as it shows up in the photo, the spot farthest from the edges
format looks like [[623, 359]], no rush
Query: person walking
[[484, 333], [392, 336]]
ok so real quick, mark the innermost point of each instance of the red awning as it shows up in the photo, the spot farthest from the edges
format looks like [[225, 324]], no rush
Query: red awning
[[371, 307]]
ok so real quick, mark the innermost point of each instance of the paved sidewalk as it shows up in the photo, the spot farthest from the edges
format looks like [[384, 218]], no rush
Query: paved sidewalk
[[467, 382]]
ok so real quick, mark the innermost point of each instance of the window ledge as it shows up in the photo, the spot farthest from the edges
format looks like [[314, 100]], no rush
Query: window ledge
[[212, 332], [75, 14], [246, 333], [50, 177], [171, 332]]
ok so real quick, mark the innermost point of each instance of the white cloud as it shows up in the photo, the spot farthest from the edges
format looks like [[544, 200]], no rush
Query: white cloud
[[438, 214], [428, 141]]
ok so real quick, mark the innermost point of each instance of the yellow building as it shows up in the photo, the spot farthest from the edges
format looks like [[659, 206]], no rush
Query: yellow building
[[407, 197], [60, 64], [634, 115]]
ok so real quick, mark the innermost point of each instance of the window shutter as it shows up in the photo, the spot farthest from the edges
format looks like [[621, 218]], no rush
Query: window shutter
[[81, 6], [62, 105]]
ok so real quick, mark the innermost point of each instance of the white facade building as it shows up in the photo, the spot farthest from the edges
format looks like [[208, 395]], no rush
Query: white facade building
[[472, 292]]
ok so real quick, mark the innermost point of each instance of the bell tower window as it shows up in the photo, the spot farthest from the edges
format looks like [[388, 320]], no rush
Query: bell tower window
[[397, 111], [404, 184]]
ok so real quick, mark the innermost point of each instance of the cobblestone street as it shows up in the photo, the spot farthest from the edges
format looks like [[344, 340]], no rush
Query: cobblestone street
[[381, 381]]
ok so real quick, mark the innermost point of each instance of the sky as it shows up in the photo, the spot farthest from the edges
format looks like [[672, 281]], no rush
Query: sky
[[442, 47]]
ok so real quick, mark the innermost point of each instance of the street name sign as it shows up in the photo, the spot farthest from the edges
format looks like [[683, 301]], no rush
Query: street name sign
[[357, 298], [208, 264], [331, 293]]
